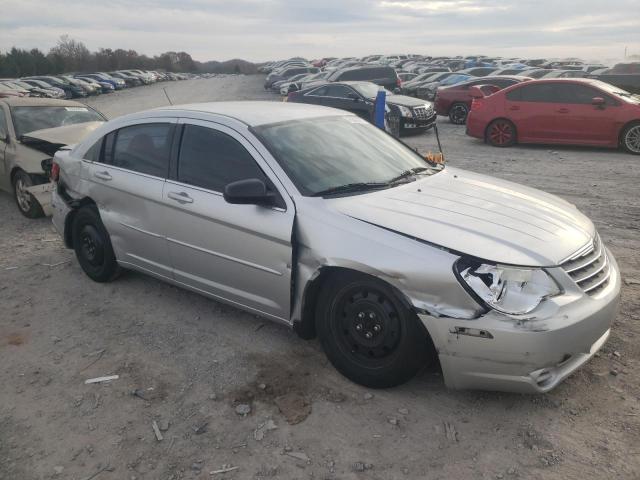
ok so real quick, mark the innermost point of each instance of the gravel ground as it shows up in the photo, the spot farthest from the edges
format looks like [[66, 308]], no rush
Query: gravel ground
[[193, 365]]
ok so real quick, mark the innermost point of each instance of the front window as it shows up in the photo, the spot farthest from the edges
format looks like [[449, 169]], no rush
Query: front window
[[325, 153], [30, 119]]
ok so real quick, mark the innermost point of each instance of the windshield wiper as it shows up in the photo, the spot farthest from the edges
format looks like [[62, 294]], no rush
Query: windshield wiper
[[351, 187], [408, 173]]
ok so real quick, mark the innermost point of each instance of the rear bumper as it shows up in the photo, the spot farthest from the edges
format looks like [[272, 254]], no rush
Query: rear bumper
[[60, 210], [533, 355], [475, 128]]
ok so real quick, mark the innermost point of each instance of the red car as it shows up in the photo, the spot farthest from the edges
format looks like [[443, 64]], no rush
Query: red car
[[558, 111], [455, 101]]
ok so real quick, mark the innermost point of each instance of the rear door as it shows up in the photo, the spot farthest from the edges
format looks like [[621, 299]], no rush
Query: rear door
[[126, 171], [238, 253], [533, 110]]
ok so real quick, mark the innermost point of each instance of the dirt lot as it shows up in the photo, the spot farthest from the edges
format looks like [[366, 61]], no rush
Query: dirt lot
[[188, 363]]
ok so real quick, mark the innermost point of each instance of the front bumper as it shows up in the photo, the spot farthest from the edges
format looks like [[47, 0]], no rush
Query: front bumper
[[42, 193], [532, 355], [415, 123]]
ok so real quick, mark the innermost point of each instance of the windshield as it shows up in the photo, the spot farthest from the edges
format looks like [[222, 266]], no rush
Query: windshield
[[369, 90], [30, 119], [455, 79], [619, 92], [324, 153]]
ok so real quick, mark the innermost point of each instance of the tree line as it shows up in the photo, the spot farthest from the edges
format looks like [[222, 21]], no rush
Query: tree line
[[70, 56]]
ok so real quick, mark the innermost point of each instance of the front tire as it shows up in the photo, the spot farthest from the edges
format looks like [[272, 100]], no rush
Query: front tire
[[367, 332], [27, 203], [501, 133], [458, 113], [92, 245], [631, 138]]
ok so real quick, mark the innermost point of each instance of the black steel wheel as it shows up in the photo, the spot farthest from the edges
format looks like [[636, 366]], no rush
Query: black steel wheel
[[368, 333], [92, 245], [458, 113]]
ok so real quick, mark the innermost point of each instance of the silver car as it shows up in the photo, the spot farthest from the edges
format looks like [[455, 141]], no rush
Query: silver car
[[314, 218]]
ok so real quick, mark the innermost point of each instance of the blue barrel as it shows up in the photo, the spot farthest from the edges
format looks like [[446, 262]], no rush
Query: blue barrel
[[380, 107]]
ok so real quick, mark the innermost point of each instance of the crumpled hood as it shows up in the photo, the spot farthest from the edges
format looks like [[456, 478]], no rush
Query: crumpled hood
[[477, 215], [66, 135]]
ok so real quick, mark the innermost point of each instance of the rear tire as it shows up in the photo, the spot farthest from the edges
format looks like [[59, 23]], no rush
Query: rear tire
[[630, 138], [367, 332], [458, 113], [501, 133], [27, 203], [92, 245]]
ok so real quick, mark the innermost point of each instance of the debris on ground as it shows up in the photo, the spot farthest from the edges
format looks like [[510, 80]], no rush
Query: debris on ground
[[368, 396], [243, 409], [403, 411], [224, 469], [298, 456], [156, 430], [393, 421], [107, 378], [200, 429], [163, 425], [450, 432], [632, 281], [294, 407], [259, 432]]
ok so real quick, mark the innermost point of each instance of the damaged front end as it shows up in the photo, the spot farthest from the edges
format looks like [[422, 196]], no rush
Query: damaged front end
[[494, 327]]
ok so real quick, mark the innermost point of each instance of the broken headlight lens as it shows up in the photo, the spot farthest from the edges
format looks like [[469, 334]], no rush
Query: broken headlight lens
[[510, 290]]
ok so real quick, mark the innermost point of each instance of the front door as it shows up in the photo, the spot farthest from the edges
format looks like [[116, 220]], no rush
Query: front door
[[581, 122], [238, 253]]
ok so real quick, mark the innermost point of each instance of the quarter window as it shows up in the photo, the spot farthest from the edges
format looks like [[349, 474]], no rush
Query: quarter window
[[211, 159], [3, 125], [93, 154], [141, 148]]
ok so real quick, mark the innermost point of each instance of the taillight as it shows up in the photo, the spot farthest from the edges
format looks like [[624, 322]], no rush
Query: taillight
[[477, 104], [55, 172], [399, 82]]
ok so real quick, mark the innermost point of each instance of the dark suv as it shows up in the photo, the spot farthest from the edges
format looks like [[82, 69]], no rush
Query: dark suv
[[385, 76], [286, 74]]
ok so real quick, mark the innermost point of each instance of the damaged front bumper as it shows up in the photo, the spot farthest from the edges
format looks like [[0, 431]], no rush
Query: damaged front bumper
[[42, 194], [527, 355]]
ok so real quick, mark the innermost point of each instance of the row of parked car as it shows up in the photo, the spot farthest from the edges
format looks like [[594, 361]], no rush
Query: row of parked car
[[567, 105], [82, 84]]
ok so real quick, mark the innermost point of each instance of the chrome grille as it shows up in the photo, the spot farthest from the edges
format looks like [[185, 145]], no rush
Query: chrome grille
[[589, 267], [423, 113]]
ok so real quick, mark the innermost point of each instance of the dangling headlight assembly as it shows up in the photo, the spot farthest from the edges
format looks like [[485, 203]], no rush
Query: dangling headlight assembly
[[507, 289]]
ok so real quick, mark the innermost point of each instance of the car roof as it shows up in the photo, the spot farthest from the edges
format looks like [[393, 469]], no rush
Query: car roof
[[39, 102], [251, 113]]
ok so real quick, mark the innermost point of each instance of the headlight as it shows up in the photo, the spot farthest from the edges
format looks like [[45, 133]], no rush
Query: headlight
[[405, 111], [510, 290]]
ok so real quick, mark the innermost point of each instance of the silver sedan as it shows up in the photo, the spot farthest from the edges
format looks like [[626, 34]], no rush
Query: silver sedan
[[314, 218]]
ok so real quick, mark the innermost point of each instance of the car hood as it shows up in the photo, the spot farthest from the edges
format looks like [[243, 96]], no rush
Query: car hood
[[49, 140], [65, 135], [477, 215], [405, 101]]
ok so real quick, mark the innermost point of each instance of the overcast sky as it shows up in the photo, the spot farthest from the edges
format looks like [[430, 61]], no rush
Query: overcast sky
[[260, 30]]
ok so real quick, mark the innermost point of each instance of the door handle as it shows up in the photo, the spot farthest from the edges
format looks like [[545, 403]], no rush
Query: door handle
[[563, 110], [514, 107], [180, 197], [103, 176]]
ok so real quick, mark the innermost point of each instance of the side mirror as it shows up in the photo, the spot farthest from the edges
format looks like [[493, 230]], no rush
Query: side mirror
[[251, 191], [597, 102]]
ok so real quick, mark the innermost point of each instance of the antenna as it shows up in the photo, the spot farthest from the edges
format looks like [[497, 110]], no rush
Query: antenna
[[167, 95]]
